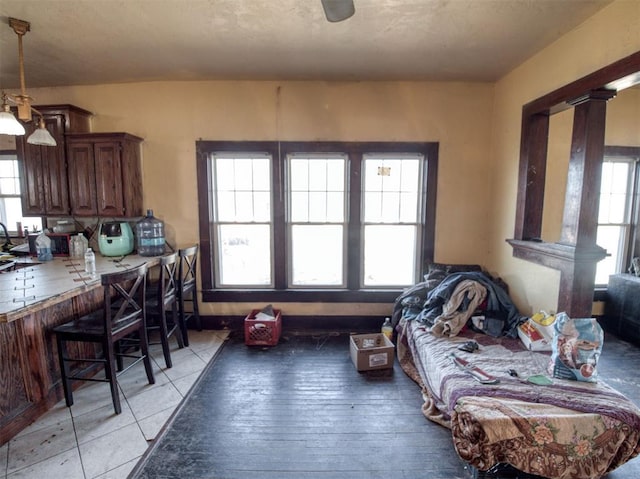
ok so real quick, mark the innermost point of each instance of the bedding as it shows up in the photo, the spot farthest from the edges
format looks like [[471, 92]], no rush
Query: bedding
[[562, 430]]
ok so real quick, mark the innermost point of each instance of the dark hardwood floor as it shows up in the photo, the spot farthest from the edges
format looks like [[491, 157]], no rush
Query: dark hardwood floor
[[301, 410]]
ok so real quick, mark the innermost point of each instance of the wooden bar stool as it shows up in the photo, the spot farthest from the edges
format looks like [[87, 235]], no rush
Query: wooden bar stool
[[187, 292], [123, 314], [162, 298]]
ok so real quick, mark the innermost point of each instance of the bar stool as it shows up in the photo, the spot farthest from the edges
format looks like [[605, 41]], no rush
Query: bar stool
[[123, 314], [187, 292], [162, 297]]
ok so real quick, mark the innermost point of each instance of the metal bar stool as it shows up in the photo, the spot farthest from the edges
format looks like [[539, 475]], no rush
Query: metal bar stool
[[162, 298], [123, 314], [187, 292]]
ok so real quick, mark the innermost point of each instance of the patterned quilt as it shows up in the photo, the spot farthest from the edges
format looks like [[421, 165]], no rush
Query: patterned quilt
[[565, 430]]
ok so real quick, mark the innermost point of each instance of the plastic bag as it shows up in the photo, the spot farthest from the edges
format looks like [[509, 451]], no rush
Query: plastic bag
[[576, 347]]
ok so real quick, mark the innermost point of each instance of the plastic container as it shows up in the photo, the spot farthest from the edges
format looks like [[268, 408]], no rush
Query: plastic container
[[387, 329], [43, 247], [83, 245], [89, 262], [78, 246], [150, 235]]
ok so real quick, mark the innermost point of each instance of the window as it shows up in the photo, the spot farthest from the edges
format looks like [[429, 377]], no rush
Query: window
[[10, 202], [391, 214], [318, 221], [243, 219], [617, 211]]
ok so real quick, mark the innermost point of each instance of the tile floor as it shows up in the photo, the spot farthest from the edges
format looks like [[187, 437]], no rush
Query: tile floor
[[88, 440]]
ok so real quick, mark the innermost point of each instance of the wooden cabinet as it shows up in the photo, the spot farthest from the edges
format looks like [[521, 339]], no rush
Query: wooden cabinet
[[30, 379], [622, 313], [104, 173], [43, 169]]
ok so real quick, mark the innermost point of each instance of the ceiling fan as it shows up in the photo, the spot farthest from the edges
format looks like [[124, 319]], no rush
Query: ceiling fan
[[338, 10]]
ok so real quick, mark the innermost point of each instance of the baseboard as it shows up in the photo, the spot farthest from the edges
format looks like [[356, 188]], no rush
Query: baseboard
[[298, 323]]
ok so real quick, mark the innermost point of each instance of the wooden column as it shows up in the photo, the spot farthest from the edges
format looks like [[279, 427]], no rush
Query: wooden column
[[580, 219], [531, 176]]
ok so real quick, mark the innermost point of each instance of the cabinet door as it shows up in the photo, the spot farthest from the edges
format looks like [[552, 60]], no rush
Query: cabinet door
[[31, 177], [43, 174], [56, 189], [82, 178], [108, 168]]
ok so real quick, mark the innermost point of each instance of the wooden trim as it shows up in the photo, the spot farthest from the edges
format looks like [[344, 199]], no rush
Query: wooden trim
[[279, 150], [615, 76], [588, 95]]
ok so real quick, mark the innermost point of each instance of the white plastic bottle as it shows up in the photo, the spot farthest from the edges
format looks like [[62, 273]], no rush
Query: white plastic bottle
[[90, 262], [387, 329]]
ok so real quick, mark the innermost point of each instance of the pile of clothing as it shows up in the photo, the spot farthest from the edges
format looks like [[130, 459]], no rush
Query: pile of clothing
[[446, 303]]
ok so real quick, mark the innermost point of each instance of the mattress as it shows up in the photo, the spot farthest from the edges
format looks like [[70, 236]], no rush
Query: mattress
[[563, 430]]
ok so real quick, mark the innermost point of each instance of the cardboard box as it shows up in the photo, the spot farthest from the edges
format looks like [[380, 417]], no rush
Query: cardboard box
[[534, 336], [371, 351]]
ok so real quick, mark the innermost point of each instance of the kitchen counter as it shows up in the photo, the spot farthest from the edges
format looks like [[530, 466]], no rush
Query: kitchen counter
[[34, 285], [36, 297]]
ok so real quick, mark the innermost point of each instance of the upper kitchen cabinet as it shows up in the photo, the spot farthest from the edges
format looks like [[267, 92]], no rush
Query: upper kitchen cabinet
[[43, 169], [104, 173]]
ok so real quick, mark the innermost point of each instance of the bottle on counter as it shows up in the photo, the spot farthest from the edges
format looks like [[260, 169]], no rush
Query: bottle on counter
[[89, 261], [150, 235], [387, 329], [43, 247]]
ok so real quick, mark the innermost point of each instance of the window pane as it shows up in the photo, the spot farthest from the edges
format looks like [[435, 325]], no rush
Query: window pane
[[612, 239], [317, 175], [408, 210], [316, 252], [299, 175], [244, 254], [317, 206], [390, 208], [299, 206], [614, 192], [389, 255], [316, 189], [391, 189], [335, 207], [242, 189]]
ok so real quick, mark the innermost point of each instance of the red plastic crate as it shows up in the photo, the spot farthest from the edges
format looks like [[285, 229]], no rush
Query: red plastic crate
[[260, 332]]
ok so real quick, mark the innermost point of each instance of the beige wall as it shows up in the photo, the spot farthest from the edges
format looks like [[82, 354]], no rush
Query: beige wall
[[172, 116], [606, 37], [479, 135]]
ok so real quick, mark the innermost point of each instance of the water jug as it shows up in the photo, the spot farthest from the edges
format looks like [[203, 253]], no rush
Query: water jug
[[43, 247], [150, 235]]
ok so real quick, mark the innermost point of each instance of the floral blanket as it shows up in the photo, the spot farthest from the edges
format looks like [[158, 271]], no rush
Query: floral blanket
[[565, 430]]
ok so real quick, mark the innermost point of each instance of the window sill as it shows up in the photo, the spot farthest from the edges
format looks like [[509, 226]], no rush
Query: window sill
[[302, 296]]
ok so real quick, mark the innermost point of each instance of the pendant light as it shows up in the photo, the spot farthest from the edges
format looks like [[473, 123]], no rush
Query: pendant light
[[8, 123], [41, 136]]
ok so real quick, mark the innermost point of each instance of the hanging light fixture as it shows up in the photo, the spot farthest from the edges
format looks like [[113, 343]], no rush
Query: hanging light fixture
[[8, 122], [41, 135]]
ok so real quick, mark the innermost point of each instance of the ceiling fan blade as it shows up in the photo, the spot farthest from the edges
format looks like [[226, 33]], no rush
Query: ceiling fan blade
[[338, 10]]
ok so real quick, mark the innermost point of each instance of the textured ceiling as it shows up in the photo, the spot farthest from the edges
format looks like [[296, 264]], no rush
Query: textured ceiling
[[111, 41]]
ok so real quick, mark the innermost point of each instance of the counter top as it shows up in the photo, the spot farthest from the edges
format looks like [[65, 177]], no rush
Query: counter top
[[36, 285]]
